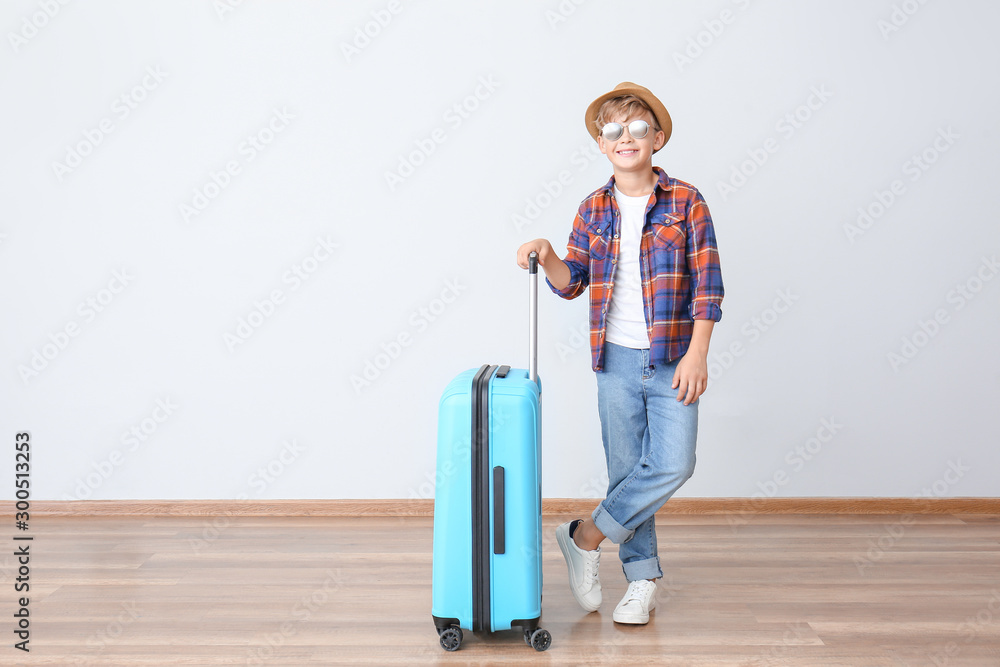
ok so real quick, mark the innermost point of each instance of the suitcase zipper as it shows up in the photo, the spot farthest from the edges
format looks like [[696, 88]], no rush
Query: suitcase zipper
[[481, 474]]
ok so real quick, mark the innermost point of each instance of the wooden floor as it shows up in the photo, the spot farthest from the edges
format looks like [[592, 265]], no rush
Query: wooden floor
[[738, 590]]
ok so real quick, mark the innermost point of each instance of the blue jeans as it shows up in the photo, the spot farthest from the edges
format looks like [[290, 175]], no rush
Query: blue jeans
[[649, 442]]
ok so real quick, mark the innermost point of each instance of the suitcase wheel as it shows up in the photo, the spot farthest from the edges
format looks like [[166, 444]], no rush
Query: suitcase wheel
[[540, 640], [451, 638]]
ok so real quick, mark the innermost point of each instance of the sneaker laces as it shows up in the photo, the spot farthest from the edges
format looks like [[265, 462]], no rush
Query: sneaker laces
[[639, 590], [591, 565]]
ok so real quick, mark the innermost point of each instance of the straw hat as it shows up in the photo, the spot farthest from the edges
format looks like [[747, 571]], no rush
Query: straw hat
[[629, 88]]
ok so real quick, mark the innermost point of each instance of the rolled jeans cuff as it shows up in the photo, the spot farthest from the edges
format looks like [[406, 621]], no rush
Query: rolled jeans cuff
[[607, 524], [643, 569]]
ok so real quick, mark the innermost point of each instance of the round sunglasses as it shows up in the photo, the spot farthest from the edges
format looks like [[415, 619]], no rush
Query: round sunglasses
[[614, 131]]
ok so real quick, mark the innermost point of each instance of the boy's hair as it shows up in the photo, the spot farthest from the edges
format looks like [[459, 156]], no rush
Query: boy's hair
[[626, 106]]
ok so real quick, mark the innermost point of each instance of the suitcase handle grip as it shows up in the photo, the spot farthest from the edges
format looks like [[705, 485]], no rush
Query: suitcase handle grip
[[533, 317], [499, 518]]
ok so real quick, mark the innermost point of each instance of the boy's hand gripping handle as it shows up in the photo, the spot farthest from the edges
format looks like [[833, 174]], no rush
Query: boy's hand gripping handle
[[533, 317]]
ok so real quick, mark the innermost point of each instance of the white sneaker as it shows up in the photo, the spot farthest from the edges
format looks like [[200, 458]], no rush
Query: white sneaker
[[583, 566], [639, 600]]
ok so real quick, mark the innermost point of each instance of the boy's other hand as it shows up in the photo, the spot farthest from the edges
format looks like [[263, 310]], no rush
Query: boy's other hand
[[555, 269], [691, 376], [541, 246]]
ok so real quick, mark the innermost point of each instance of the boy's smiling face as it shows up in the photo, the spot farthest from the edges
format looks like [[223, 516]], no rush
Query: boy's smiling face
[[628, 154]]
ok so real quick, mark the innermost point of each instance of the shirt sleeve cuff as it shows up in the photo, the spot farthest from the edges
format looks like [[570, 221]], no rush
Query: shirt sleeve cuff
[[572, 290], [576, 285], [706, 310]]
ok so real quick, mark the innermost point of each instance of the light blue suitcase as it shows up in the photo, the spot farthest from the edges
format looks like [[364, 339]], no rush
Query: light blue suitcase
[[487, 568]]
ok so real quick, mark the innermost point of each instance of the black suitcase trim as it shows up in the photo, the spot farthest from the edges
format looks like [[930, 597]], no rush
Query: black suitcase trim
[[445, 622], [481, 478], [499, 527]]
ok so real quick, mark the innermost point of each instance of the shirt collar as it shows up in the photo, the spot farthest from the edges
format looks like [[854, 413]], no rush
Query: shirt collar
[[662, 182]]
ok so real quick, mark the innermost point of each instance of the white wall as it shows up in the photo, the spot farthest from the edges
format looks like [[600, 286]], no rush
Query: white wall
[[334, 124]]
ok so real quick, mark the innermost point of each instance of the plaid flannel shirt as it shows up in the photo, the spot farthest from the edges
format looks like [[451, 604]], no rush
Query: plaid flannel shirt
[[678, 260]]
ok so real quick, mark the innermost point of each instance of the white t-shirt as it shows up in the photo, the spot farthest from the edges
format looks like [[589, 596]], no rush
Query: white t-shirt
[[626, 318]]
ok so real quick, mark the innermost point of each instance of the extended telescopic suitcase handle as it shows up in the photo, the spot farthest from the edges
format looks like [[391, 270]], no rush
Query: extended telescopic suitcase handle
[[533, 317]]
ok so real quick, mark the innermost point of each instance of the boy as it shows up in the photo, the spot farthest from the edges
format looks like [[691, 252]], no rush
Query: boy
[[645, 244]]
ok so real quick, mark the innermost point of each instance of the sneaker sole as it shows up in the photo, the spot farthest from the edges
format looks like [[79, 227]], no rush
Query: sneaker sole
[[562, 538], [633, 619], [630, 619]]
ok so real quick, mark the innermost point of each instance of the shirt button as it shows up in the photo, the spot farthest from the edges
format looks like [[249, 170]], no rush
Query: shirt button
[[614, 261], [616, 236]]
